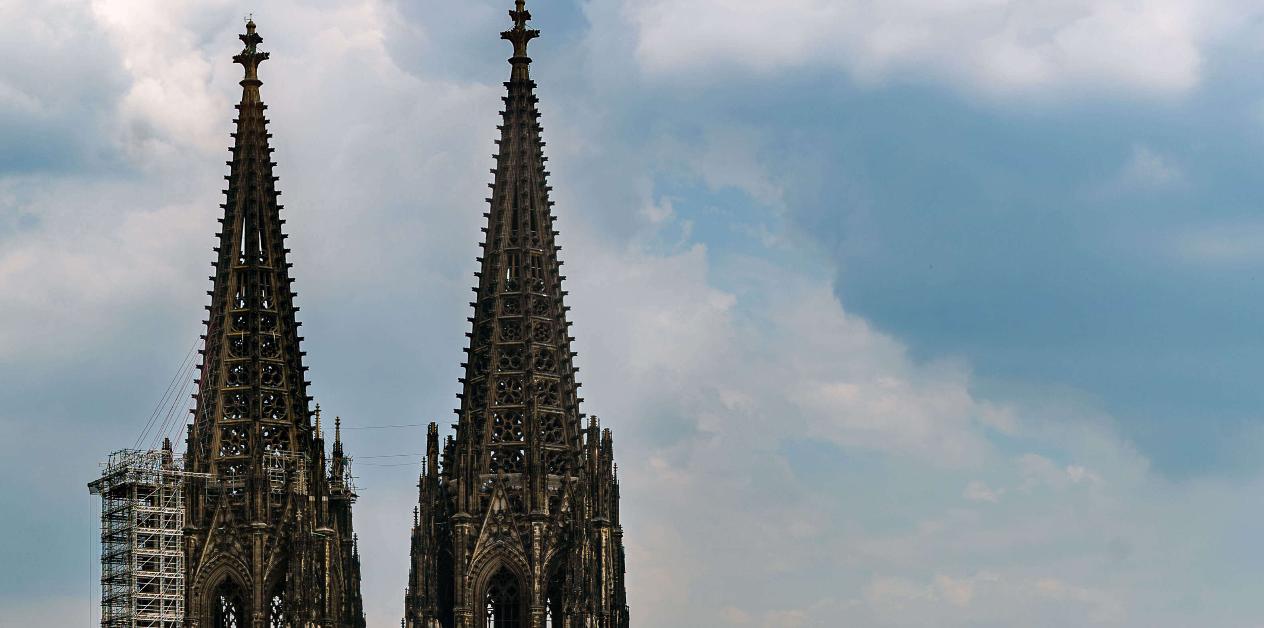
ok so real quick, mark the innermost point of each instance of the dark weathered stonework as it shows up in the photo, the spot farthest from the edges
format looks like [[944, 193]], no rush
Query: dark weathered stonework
[[519, 525], [269, 541]]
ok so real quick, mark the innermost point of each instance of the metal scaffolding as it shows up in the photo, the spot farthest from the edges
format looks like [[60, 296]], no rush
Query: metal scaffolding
[[142, 531]]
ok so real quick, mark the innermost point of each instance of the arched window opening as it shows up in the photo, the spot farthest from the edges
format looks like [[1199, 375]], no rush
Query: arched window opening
[[276, 610], [503, 602], [229, 611], [553, 604]]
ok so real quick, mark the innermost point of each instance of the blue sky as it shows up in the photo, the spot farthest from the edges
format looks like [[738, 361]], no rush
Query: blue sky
[[904, 313]]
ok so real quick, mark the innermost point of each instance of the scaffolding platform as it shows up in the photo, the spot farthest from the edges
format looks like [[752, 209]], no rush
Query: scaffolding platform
[[142, 533]]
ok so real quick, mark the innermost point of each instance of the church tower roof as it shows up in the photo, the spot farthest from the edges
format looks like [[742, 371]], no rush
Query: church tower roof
[[519, 411], [252, 397]]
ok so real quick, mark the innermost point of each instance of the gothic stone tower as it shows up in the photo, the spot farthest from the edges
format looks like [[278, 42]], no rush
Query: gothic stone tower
[[268, 541], [520, 528]]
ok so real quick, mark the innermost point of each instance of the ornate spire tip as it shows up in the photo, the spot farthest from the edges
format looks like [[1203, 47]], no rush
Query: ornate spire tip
[[520, 35], [250, 56]]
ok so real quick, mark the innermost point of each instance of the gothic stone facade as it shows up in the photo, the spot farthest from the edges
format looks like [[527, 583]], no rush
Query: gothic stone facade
[[519, 525], [269, 541]]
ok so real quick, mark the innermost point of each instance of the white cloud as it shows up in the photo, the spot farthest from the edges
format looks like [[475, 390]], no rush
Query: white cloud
[[993, 46], [977, 491], [660, 212], [171, 104], [945, 600], [1149, 169], [1069, 536], [64, 57], [88, 256], [727, 158], [1226, 245], [1080, 475]]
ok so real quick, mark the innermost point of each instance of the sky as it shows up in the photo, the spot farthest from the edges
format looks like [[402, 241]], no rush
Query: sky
[[904, 313]]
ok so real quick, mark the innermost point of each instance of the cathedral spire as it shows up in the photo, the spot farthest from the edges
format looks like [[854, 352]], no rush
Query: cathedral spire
[[515, 526], [252, 397], [520, 408], [261, 510]]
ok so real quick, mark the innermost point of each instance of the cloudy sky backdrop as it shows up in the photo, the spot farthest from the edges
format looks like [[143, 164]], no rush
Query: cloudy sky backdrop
[[905, 313]]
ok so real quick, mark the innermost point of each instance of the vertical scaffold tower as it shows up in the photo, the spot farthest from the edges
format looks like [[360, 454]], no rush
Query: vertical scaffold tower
[[142, 536]]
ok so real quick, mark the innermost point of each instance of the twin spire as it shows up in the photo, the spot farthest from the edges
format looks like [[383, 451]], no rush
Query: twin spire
[[517, 512]]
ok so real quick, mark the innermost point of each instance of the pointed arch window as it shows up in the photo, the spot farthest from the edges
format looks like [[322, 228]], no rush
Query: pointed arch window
[[229, 610], [276, 610], [553, 604], [503, 603]]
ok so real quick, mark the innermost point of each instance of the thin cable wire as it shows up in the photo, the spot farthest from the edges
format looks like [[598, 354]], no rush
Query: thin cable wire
[[179, 418], [383, 427], [180, 433], [162, 402], [172, 396], [167, 422], [166, 416]]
